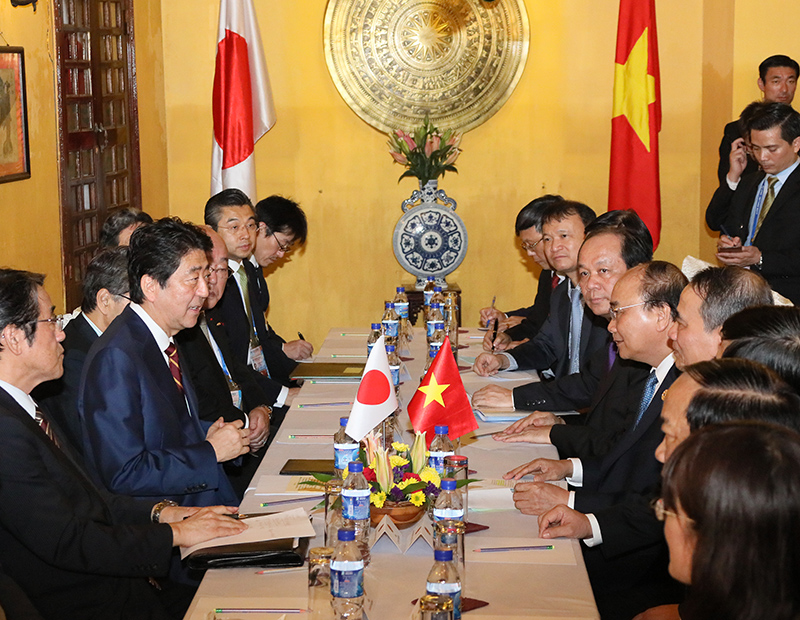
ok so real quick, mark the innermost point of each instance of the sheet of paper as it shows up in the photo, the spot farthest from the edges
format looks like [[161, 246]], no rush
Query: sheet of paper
[[561, 553], [306, 436], [289, 524], [499, 498], [288, 485]]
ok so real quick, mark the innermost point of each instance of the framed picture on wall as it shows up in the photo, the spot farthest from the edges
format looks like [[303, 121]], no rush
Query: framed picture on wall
[[14, 150]]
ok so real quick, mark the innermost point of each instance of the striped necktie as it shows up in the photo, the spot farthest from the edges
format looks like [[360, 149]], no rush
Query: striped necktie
[[175, 366], [44, 424], [770, 198]]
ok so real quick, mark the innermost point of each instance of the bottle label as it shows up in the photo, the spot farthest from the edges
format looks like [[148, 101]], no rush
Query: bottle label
[[436, 460], [440, 514], [390, 328], [395, 370], [453, 590], [355, 504], [430, 328], [426, 295], [434, 348], [344, 453], [401, 307], [347, 579], [370, 345]]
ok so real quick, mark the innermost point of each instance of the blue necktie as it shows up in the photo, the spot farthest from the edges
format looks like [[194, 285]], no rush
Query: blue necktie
[[647, 396], [575, 321]]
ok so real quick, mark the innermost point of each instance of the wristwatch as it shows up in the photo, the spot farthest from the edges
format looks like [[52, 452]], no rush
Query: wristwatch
[[155, 513]]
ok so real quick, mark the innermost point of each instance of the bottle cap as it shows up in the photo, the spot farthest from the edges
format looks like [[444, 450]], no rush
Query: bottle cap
[[431, 278], [448, 484], [389, 348], [343, 421], [389, 304], [401, 289], [438, 325], [437, 289], [440, 555], [432, 354], [355, 467], [376, 326], [441, 429], [351, 535]]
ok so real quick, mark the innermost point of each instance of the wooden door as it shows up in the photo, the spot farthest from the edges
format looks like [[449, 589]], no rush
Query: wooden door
[[99, 134]]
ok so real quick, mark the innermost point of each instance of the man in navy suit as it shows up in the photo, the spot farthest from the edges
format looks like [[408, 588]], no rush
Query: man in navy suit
[[142, 433], [76, 550], [105, 296]]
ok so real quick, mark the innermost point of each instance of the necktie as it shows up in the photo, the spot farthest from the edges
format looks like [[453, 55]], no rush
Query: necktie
[[612, 354], [243, 282], [554, 282], [44, 424], [575, 321], [647, 396], [175, 366], [770, 198]]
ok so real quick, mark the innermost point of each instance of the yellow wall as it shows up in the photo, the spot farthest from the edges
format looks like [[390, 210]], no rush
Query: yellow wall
[[551, 136], [30, 237]]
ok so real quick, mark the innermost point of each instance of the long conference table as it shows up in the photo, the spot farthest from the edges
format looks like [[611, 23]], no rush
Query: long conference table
[[515, 584]]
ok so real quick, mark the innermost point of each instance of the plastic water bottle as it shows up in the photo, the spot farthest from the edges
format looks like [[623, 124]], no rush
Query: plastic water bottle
[[355, 506], [434, 316], [347, 576], [374, 334], [438, 296], [437, 339], [391, 324], [394, 364], [444, 579], [441, 446], [448, 505], [427, 291], [345, 448], [401, 302], [431, 356]]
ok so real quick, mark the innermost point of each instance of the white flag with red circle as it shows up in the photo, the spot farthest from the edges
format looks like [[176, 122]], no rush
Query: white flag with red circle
[[242, 100], [375, 399]]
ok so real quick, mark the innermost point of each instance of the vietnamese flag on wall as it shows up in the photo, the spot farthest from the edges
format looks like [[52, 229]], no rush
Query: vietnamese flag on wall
[[442, 399], [636, 119], [242, 100]]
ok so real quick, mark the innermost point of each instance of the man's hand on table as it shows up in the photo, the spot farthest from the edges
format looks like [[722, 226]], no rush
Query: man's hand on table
[[228, 439], [532, 434], [487, 364], [537, 418], [563, 522], [205, 524], [501, 342], [535, 498], [542, 470], [298, 349], [259, 427], [493, 396]]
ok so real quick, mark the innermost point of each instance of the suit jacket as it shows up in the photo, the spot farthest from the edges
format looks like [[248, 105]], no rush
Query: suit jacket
[[615, 404], [537, 314], [59, 397], [77, 551], [779, 235], [633, 557], [550, 347], [730, 134], [139, 437], [231, 313]]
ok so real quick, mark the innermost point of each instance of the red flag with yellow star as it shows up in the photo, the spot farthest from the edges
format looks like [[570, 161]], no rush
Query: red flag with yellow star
[[442, 399], [636, 119]]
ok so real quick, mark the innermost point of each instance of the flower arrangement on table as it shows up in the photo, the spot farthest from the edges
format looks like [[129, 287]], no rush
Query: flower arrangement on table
[[426, 152]]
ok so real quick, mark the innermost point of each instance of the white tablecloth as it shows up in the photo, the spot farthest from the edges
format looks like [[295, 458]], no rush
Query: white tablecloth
[[392, 580]]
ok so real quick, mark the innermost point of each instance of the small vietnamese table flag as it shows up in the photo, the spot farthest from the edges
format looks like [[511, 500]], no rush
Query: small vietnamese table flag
[[442, 399], [375, 399], [636, 119], [242, 100]]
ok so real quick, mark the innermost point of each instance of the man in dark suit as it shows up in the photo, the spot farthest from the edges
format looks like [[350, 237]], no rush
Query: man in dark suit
[[224, 386], [142, 433], [777, 79], [570, 335], [239, 312], [105, 296], [526, 322], [643, 308], [758, 213], [77, 551]]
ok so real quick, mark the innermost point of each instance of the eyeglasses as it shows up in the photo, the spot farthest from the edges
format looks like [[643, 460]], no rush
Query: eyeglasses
[[283, 248], [60, 322], [218, 271], [615, 312], [528, 247], [662, 513], [250, 226]]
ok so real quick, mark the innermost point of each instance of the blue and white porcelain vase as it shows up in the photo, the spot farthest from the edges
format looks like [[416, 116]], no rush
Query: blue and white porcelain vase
[[429, 238]]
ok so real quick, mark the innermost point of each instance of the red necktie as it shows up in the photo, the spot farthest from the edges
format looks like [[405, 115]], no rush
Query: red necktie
[[45, 426], [554, 281], [175, 366]]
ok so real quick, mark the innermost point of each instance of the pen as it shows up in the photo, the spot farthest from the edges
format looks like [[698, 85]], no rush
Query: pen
[[290, 501], [352, 381], [352, 334], [724, 231], [341, 404], [307, 436], [488, 434], [255, 610], [494, 333], [300, 335], [525, 548], [347, 355]]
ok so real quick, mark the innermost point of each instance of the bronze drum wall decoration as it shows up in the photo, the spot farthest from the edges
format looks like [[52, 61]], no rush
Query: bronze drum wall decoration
[[394, 61]]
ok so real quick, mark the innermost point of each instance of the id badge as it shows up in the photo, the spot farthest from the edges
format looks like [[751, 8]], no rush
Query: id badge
[[236, 397], [255, 358]]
